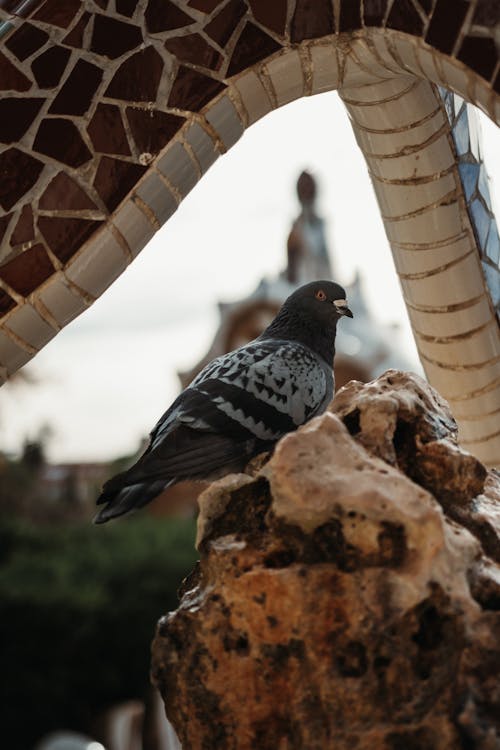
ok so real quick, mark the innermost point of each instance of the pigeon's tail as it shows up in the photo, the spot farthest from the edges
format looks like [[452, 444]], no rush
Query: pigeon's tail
[[128, 498]]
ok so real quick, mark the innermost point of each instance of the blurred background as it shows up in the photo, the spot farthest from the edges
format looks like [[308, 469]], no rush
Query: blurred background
[[78, 604]]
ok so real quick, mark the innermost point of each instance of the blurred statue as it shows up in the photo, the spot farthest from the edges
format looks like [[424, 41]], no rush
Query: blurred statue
[[307, 251]]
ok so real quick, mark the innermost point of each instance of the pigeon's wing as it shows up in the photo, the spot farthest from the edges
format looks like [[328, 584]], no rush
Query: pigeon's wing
[[239, 405], [265, 390]]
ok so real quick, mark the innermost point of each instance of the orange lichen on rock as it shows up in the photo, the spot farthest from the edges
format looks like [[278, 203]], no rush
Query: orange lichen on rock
[[348, 595]]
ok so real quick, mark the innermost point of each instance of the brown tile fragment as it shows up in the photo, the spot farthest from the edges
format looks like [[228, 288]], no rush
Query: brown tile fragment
[[427, 5], [16, 115], [49, 66], [496, 83], [253, 45], [9, 5], [112, 38], [4, 225], [272, 15], [480, 54], [313, 18], [66, 236], [24, 230], [106, 131], [61, 140], [222, 26], [137, 79], [205, 6], [374, 12], [12, 79], [446, 23], [6, 302], [163, 15], [152, 129], [27, 270], [115, 179], [126, 7], [191, 90], [405, 17], [26, 40], [65, 194], [350, 15], [194, 49], [18, 173], [75, 36], [58, 13], [487, 13], [78, 91]]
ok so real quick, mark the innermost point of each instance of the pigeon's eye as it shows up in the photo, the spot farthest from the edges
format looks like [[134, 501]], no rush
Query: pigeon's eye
[[320, 295]]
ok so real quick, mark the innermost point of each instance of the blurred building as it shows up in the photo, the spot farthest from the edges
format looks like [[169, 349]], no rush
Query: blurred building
[[365, 348]]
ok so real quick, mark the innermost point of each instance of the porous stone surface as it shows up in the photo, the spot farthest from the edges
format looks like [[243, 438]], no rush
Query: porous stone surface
[[348, 592]]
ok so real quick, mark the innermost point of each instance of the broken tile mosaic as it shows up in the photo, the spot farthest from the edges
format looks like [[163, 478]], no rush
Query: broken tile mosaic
[[28, 270], [137, 79], [64, 235], [64, 194], [61, 140], [107, 132]]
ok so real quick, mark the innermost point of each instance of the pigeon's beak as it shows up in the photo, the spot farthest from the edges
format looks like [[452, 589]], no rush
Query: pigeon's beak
[[341, 307]]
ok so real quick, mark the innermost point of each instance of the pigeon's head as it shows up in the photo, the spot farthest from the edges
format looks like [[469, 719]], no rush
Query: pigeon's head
[[323, 301]]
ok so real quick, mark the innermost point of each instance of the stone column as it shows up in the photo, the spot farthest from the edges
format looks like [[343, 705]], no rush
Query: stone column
[[348, 592]]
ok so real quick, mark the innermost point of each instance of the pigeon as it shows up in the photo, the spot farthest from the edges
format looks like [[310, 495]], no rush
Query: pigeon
[[241, 403]]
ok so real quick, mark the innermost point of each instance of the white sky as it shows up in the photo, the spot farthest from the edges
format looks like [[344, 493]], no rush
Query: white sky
[[107, 377]]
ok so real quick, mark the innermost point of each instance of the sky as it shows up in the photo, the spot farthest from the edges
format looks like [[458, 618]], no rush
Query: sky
[[103, 382]]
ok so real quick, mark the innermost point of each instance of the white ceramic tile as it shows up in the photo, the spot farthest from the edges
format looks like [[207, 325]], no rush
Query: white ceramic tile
[[178, 168], [379, 91], [134, 226], [379, 40], [325, 71], [422, 261], [401, 199], [406, 50], [368, 60], [60, 301], [12, 357], [254, 96], [426, 60], [390, 143], [202, 145], [473, 430], [355, 75], [453, 382], [454, 75], [436, 157], [488, 453], [225, 120], [451, 323], [451, 287], [287, 77], [26, 323], [376, 109], [478, 348], [436, 224], [98, 264], [158, 197], [476, 406]]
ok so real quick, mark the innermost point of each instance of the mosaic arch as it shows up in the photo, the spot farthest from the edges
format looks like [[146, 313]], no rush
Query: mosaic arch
[[112, 110]]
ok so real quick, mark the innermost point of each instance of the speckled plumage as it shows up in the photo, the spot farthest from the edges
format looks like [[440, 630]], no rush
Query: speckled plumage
[[241, 403]]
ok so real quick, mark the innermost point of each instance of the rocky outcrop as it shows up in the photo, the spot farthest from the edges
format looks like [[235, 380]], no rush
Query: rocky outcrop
[[348, 593]]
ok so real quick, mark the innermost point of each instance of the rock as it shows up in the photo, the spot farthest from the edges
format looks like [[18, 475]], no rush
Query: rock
[[348, 594]]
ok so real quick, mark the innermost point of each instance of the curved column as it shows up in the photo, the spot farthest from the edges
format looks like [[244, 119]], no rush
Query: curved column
[[403, 130], [112, 112]]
